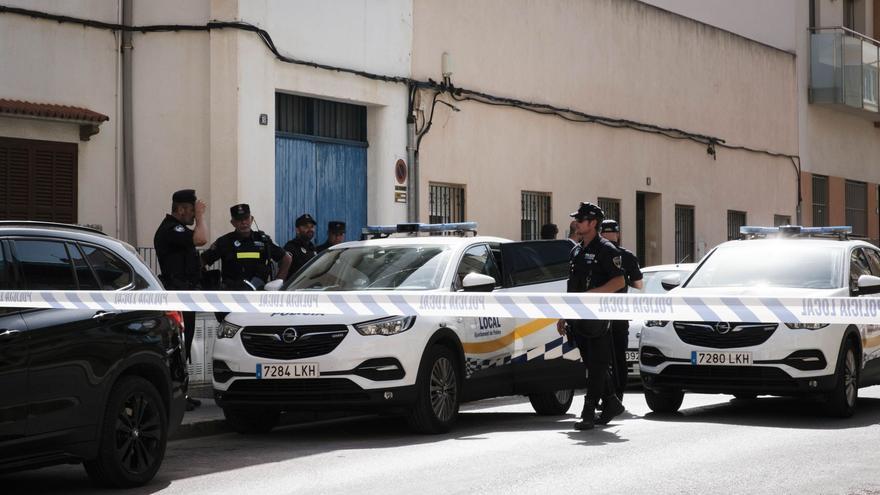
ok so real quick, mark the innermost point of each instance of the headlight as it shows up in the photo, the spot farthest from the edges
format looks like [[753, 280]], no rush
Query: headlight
[[656, 323], [806, 326], [386, 326], [227, 330]]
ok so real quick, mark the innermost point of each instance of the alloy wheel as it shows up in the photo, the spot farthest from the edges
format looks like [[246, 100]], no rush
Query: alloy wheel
[[138, 433], [443, 389]]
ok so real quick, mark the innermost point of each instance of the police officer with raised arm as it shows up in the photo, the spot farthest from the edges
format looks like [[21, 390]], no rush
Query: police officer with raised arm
[[175, 245], [620, 328], [594, 266], [245, 254]]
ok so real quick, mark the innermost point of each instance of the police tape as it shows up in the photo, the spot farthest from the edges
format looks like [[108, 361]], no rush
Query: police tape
[[714, 307]]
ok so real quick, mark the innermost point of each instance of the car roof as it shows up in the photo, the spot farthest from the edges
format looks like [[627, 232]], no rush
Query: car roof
[[814, 241], [32, 224], [671, 267], [452, 241]]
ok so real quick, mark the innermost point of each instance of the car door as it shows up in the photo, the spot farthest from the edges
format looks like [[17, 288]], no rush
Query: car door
[[69, 355], [871, 332], [543, 361], [13, 363], [487, 341]]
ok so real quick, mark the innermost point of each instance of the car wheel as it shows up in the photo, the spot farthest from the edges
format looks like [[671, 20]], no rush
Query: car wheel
[[252, 420], [133, 435], [665, 402], [552, 403], [841, 402], [437, 387]]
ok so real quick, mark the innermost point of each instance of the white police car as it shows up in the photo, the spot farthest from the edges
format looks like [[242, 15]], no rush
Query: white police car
[[420, 366], [749, 359], [653, 277]]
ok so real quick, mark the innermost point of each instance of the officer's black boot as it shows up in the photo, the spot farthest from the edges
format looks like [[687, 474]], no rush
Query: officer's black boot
[[588, 416], [611, 407]]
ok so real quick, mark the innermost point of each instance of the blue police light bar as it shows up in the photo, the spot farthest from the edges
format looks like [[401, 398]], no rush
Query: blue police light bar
[[795, 229], [411, 228]]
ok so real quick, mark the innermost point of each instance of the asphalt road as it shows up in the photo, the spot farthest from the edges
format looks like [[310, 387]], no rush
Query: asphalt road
[[715, 445]]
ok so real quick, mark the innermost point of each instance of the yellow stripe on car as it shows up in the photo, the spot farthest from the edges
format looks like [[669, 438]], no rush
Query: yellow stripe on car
[[505, 340]]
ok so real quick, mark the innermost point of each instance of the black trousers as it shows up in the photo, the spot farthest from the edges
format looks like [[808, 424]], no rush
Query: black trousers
[[620, 335], [189, 331], [596, 356]]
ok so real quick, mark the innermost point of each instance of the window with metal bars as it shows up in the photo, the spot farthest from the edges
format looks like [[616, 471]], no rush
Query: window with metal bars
[[445, 203], [611, 207], [857, 207], [820, 201], [685, 251], [735, 220], [311, 117], [535, 214]]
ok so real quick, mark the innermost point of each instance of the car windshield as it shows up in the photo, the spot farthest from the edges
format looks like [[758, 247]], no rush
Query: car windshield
[[772, 264], [652, 281], [375, 267]]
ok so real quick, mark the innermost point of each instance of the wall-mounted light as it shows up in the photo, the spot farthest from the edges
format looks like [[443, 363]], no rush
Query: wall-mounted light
[[446, 67]]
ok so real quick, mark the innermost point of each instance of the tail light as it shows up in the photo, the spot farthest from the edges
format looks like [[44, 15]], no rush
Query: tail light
[[176, 318]]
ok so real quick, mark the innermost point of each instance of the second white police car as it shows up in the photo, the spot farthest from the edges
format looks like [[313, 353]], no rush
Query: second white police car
[[422, 367], [753, 358]]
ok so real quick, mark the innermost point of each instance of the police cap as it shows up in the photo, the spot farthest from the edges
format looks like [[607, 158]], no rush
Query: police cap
[[184, 196], [336, 227], [304, 219], [587, 211], [240, 211], [610, 226]]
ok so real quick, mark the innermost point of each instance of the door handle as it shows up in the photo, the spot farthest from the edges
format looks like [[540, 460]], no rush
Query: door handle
[[104, 315], [9, 333]]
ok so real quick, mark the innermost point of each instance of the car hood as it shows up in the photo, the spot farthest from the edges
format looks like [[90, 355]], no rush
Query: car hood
[[759, 292], [272, 319]]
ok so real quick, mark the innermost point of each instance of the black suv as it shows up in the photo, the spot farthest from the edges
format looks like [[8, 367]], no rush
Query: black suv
[[99, 387]]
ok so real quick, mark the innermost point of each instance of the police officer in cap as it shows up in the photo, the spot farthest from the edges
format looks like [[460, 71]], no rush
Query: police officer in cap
[[594, 266], [620, 328], [301, 247], [246, 254], [335, 235], [179, 262]]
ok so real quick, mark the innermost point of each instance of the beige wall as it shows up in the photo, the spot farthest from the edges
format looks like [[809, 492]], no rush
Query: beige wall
[[47, 62], [616, 58]]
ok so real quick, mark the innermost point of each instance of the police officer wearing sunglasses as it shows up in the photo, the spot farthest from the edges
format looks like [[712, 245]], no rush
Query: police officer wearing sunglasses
[[595, 266]]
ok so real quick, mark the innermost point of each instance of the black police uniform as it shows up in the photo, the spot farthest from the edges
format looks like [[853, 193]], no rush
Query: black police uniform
[[591, 266], [244, 258], [302, 250], [333, 227], [620, 328], [179, 261]]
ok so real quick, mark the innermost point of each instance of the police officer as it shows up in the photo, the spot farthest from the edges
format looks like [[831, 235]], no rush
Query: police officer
[[335, 235], [595, 266], [301, 247], [245, 254], [620, 328], [179, 262], [549, 231]]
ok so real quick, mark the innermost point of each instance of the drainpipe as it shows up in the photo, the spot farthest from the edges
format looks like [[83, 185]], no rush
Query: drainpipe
[[129, 219], [412, 172]]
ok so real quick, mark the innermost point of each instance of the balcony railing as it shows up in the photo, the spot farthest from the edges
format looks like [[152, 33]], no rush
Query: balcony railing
[[845, 70]]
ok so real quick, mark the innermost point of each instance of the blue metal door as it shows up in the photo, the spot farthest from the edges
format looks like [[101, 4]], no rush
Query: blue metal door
[[327, 180]]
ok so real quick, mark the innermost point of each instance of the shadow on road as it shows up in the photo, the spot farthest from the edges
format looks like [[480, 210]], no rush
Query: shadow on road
[[207, 455], [776, 412]]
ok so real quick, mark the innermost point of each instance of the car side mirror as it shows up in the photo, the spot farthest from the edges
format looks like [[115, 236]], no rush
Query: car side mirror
[[671, 281], [274, 285], [869, 284], [478, 282]]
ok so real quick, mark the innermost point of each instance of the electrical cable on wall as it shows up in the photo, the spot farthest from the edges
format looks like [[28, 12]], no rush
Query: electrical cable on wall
[[457, 93]]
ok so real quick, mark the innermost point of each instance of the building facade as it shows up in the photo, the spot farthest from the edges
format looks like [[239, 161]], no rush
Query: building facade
[[684, 119]]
